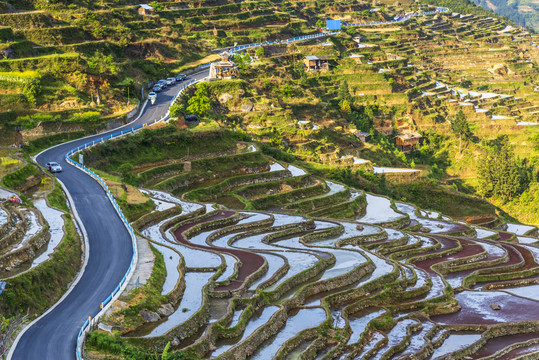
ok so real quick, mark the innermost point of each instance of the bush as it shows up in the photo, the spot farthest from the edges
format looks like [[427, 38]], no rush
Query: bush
[[31, 121], [31, 89], [17, 178], [86, 117]]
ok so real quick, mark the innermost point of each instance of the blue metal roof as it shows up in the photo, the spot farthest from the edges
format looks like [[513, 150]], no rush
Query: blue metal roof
[[146, 6], [333, 24]]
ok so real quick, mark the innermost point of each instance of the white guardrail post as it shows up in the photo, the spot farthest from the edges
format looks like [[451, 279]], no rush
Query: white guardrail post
[[119, 288]]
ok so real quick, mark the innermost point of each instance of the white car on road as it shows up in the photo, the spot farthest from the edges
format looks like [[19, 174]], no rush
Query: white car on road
[[53, 167]]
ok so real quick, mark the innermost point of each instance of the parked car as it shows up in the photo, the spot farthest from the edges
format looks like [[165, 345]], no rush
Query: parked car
[[157, 88], [162, 83], [54, 167], [192, 119], [171, 80], [181, 77], [152, 96]]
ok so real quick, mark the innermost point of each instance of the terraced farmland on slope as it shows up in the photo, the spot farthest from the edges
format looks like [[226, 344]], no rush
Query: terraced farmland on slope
[[249, 274], [77, 52]]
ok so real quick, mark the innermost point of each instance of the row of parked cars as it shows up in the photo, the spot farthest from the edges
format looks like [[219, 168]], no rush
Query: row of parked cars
[[162, 84]]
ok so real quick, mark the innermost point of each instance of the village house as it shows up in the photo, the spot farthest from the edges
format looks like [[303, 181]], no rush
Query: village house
[[224, 69], [316, 63], [145, 9], [363, 136], [409, 141]]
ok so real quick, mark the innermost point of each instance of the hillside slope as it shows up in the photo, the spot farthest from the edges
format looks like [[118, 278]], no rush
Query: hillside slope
[[522, 12]]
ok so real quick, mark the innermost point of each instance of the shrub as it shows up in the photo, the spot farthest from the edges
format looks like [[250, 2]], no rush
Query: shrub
[[31, 121], [31, 89], [17, 178]]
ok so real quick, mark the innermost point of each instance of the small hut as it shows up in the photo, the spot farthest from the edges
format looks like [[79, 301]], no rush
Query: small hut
[[145, 9], [363, 136], [224, 69], [409, 141], [320, 63]]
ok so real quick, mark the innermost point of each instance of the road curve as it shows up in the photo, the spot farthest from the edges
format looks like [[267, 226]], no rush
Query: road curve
[[54, 335]]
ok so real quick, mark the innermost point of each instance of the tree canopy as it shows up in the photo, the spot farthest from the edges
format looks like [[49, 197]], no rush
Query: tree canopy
[[501, 173], [200, 104], [461, 128]]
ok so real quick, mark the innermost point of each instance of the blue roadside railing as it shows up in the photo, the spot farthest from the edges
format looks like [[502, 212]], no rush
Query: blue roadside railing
[[85, 327], [403, 19], [324, 34], [299, 38]]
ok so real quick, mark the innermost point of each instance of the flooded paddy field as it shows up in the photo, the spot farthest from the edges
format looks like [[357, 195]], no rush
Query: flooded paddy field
[[30, 230], [387, 281]]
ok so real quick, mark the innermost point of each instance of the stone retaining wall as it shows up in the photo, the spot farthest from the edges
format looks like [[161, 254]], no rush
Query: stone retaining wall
[[12, 232], [26, 253], [155, 217]]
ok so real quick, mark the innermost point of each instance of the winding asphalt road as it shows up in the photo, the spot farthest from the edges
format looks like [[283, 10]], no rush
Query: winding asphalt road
[[54, 335]]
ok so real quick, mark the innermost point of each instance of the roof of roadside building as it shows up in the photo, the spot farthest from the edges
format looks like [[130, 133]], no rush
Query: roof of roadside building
[[409, 136]]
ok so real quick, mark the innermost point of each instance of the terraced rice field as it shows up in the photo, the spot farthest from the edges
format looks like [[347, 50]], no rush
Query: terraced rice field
[[384, 281], [28, 236]]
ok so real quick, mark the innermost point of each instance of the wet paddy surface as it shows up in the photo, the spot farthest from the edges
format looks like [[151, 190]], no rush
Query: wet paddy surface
[[289, 256], [476, 309]]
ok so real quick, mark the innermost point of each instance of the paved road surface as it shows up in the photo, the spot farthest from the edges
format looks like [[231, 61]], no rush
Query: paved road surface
[[54, 336]]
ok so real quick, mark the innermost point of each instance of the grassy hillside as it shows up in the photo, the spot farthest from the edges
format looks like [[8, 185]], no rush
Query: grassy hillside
[[523, 12], [63, 63]]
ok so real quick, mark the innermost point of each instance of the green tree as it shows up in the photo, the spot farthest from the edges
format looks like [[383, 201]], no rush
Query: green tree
[[157, 5], [501, 174], [320, 24], [461, 128], [200, 103], [238, 59], [343, 93], [260, 51], [101, 64], [345, 107], [177, 110], [31, 89]]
